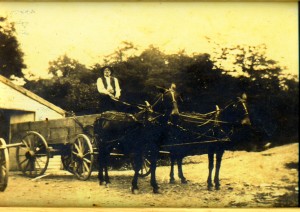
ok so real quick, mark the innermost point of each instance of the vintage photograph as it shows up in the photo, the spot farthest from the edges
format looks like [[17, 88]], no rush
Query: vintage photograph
[[149, 104]]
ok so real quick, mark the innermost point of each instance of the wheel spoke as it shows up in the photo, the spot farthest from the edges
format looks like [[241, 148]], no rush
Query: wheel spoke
[[79, 167], [25, 142], [88, 153], [37, 163], [85, 147], [79, 145], [30, 142], [24, 161], [76, 147], [86, 160], [75, 153], [86, 166], [39, 160]]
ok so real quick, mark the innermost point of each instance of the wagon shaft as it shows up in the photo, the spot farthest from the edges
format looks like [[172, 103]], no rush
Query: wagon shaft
[[197, 143]]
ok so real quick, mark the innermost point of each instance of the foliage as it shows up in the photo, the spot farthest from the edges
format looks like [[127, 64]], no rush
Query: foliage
[[72, 86], [202, 80], [11, 56]]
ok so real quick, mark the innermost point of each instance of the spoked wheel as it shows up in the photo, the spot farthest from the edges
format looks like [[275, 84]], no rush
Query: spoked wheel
[[33, 154], [82, 156], [4, 165]]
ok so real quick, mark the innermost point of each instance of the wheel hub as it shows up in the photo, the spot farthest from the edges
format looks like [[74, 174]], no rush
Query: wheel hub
[[80, 155], [29, 154]]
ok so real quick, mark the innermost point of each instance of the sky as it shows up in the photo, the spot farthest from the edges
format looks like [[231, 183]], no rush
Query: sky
[[89, 31]]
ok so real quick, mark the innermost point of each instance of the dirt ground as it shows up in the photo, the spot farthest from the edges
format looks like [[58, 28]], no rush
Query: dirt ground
[[248, 180]]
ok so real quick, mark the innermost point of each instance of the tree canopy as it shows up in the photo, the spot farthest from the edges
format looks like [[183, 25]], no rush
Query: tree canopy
[[202, 80], [11, 55]]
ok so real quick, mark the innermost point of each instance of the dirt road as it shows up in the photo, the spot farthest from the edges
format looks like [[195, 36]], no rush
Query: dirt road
[[248, 179]]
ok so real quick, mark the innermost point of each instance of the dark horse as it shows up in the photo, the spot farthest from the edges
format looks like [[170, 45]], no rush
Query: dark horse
[[210, 133], [137, 135]]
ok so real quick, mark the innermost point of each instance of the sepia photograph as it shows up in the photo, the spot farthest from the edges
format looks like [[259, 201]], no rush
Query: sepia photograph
[[149, 105]]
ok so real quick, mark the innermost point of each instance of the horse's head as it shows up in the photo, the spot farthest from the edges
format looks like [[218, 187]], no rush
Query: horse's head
[[236, 112], [233, 120], [166, 103]]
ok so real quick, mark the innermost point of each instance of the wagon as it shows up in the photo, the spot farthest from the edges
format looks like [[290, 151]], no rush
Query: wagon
[[72, 138], [4, 163]]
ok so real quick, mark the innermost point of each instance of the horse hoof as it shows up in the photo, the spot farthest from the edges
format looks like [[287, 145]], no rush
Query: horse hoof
[[156, 191], [184, 181], [101, 183], [217, 187], [209, 188], [107, 185], [135, 191]]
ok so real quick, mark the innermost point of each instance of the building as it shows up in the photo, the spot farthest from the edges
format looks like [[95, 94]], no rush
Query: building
[[18, 104]]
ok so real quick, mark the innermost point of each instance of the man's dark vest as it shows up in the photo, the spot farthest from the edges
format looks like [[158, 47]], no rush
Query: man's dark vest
[[112, 82]]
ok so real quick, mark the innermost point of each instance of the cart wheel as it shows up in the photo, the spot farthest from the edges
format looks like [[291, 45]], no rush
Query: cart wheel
[[4, 165], [66, 161], [82, 157], [33, 154]]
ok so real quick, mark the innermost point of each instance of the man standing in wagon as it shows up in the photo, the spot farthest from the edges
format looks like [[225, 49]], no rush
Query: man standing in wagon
[[109, 88]]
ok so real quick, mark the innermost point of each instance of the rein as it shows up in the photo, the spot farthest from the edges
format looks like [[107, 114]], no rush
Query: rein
[[211, 117]]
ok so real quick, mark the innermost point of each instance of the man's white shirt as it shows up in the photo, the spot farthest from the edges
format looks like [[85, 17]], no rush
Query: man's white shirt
[[101, 88]]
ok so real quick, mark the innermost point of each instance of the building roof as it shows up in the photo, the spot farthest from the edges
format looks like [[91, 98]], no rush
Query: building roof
[[32, 95]]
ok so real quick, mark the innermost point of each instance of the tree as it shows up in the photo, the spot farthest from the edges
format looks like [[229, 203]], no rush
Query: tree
[[11, 56], [72, 86], [122, 53]]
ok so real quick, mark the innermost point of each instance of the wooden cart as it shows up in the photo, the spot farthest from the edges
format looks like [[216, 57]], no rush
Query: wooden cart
[[72, 138]]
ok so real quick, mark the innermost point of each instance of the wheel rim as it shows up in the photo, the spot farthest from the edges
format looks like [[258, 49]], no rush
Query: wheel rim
[[4, 165], [82, 157], [33, 155]]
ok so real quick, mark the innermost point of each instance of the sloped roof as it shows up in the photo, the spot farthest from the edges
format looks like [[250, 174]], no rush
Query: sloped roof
[[32, 95]]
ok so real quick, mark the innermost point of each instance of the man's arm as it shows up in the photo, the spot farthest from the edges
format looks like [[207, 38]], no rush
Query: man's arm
[[118, 90]]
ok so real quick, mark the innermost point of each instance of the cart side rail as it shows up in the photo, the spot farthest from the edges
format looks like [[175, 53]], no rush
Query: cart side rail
[[56, 131]]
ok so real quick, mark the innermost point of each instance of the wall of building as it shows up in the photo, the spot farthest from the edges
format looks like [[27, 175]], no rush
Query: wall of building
[[14, 100], [18, 105]]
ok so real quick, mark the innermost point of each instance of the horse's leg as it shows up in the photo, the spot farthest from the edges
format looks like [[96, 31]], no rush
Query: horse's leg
[[106, 163], [219, 155], [101, 157], [210, 168], [180, 173], [172, 179], [153, 181], [138, 161]]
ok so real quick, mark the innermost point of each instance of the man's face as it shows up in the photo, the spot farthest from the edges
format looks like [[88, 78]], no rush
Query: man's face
[[107, 72]]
